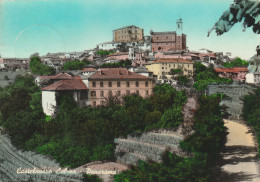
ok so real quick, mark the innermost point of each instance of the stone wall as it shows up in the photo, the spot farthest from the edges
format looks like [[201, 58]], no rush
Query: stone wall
[[148, 145], [235, 92]]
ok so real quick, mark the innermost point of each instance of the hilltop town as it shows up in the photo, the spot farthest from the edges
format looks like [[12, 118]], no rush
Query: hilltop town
[[137, 97]]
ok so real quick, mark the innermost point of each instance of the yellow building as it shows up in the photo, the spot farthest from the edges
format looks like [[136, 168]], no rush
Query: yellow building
[[128, 34], [162, 67]]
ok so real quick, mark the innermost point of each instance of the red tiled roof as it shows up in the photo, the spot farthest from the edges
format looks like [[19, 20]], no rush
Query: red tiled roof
[[117, 73], [60, 76], [208, 54], [88, 69], [118, 54], [231, 70], [172, 60], [70, 84]]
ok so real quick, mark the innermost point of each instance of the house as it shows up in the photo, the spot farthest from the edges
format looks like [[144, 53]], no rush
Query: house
[[142, 71], [87, 71], [236, 74], [117, 56], [74, 86], [167, 41], [161, 68], [14, 63], [39, 80], [138, 58], [117, 82], [128, 34], [253, 78]]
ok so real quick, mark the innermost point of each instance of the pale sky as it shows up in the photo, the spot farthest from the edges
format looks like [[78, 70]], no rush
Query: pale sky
[[29, 26]]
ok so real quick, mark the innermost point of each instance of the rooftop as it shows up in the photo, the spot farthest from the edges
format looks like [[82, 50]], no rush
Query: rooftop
[[130, 26], [118, 54], [168, 32], [172, 60], [231, 70], [88, 69], [60, 76], [71, 84], [117, 73]]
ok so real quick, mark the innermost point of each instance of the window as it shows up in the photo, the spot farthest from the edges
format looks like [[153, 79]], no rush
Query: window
[[102, 103], [94, 103], [101, 93], [137, 92], [147, 92], [127, 84], [118, 84], [188, 65], [93, 84], [84, 94], [110, 93], [110, 84], [93, 93], [128, 92], [118, 92], [137, 84], [101, 84], [146, 83]]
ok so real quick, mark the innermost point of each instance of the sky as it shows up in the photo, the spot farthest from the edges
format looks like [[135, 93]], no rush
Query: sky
[[43, 26]]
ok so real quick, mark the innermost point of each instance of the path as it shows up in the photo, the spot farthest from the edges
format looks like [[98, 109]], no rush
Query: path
[[240, 155]]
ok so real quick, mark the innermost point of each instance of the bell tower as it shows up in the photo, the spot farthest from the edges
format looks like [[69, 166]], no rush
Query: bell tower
[[179, 24]]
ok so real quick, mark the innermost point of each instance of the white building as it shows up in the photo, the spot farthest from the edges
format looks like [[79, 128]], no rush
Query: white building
[[253, 78], [74, 86], [108, 45]]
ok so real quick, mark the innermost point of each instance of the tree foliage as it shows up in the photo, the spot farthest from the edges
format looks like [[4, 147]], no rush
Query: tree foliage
[[78, 135], [205, 76], [237, 62], [37, 67], [205, 143], [75, 65], [246, 11], [121, 63], [104, 53], [251, 112]]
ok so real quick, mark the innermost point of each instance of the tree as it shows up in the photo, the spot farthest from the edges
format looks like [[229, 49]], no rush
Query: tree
[[237, 62], [37, 67], [104, 53], [246, 11], [75, 65]]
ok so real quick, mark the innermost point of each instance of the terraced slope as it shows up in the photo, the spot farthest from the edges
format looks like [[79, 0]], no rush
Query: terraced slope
[[146, 146], [12, 159]]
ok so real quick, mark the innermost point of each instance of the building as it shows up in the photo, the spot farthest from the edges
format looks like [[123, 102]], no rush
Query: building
[[128, 34], [87, 71], [253, 78], [236, 74], [117, 82], [138, 58], [74, 86], [14, 63], [142, 71], [167, 41], [161, 67], [41, 80], [108, 45]]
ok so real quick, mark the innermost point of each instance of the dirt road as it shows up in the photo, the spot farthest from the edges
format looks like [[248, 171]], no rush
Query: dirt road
[[240, 155]]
